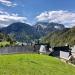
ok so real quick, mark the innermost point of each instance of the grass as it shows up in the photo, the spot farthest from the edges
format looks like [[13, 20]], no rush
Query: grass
[[33, 64]]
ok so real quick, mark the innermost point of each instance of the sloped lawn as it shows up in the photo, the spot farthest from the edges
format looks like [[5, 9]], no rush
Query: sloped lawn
[[33, 64]]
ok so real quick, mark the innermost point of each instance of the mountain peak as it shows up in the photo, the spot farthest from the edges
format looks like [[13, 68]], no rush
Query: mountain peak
[[23, 31], [46, 27]]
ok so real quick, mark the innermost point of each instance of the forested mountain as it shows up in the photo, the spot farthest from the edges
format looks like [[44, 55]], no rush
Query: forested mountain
[[53, 33], [61, 37], [20, 31], [25, 32]]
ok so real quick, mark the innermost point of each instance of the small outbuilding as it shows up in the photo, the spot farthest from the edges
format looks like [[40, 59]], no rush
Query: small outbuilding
[[61, 52], [73, 51], [43, 48]]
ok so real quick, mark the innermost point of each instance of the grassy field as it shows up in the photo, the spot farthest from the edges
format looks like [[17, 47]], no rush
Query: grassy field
[[33, 64]]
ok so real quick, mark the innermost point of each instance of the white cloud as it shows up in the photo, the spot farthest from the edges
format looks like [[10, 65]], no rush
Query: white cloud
[[6, 18], [64, 17], [8, 3]]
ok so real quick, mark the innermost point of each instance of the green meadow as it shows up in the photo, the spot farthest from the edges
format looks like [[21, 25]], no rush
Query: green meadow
[[33, 64]]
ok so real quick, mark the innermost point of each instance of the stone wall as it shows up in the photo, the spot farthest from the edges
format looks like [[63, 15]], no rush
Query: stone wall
[[19, 49]]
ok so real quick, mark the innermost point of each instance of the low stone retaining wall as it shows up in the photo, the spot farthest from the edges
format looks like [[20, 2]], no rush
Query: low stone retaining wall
[[19, 49]]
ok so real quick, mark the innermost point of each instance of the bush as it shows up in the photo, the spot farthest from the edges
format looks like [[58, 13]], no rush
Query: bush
[[1, 45], [11, 42], [6, 45]]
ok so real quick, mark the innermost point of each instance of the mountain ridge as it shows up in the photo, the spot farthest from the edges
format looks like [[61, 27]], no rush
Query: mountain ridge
[[24, 32]]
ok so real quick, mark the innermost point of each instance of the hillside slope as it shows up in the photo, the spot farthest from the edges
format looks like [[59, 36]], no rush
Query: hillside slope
[[5, 40], [33, 64], [61, 37]]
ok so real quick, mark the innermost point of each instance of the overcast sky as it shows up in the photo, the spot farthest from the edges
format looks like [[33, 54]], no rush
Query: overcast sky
[[31, 11]]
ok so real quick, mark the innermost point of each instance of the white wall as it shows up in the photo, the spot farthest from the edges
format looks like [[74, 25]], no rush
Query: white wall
[[64, 55]]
